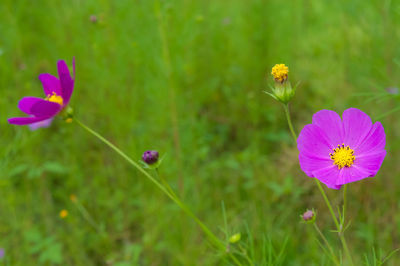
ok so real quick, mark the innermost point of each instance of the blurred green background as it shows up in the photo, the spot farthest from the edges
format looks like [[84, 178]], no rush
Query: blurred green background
[[187, 78]]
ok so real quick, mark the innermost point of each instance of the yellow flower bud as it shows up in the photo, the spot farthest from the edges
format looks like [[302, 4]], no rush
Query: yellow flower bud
[[280, 72], [63, 214], [282, 91]]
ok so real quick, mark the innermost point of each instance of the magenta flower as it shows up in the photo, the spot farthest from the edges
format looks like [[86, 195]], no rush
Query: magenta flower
[[58, 93], [340, 151]]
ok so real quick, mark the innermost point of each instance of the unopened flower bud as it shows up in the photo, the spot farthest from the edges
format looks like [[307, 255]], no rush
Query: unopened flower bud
[[235, 238], [93, 18], [309, 216], [280, 72], [282, 90], [73, 198], [150, 157], [63, 214], [68, 114]]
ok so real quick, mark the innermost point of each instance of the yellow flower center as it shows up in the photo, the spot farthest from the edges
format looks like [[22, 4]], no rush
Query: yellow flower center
[[54, 98], [342, 156], [280, 72]]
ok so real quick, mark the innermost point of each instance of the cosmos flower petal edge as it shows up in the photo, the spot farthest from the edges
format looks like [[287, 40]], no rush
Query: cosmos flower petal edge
[[23, 121], [50, 84], [44, 123], [67, 82], [331, 123], [340, 151], [26, 103], [357, 125]]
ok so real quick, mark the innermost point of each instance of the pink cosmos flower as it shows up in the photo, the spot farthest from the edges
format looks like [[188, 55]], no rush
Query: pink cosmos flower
[[58, 93], [340, 151]]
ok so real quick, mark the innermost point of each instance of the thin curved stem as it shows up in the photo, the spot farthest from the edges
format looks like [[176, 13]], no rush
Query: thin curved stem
[[327, 203], [346, 249], [86, 215], [205, 229], [326, 243], [344, 200], [165, 183], [286, 107], [342, 225]]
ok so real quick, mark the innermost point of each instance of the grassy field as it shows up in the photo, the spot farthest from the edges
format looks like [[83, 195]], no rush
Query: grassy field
[[187, 78]]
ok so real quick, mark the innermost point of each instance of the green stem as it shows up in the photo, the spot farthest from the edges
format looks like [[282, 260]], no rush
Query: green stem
[[286, 107], [346, 249], [171, 89], [205, 229], [244, 254], [165, 183], [344, 201], [326, 243], [327, 203], [338, 226], [342, 225], [88, 217]]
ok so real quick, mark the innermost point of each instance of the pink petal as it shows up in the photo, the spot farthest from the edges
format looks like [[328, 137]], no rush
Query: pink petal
[[21, 121], [26, 103], [330, 122], [328, 176], [375, 141], [44, 123], [67, 83], [351, 174], [313, 142], [370, 162], [50, 84], [309, 164], [357, 125], [45, 108]]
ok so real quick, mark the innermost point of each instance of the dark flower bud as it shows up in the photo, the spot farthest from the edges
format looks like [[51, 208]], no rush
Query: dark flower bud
[[150, 157]]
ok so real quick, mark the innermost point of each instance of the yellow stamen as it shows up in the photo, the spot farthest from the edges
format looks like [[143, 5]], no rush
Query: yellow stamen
[[54, 98], [63, 214], [342, 156], [68, 120], [280, 72]]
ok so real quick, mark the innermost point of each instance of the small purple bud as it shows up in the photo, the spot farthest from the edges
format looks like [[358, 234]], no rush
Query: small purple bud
[[150, 157], [393, 90], [93, 18], [1, 253], [308, 215]]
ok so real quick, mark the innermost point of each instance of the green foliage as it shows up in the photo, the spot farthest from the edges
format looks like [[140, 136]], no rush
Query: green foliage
[[46, 248], [187, 78]]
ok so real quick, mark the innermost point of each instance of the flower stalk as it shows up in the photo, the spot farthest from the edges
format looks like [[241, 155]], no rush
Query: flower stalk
[[167, 191], [326, 243], [286, 108]]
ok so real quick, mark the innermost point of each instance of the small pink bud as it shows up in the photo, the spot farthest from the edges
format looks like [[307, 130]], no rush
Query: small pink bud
[[308, 216], [93, 18]]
